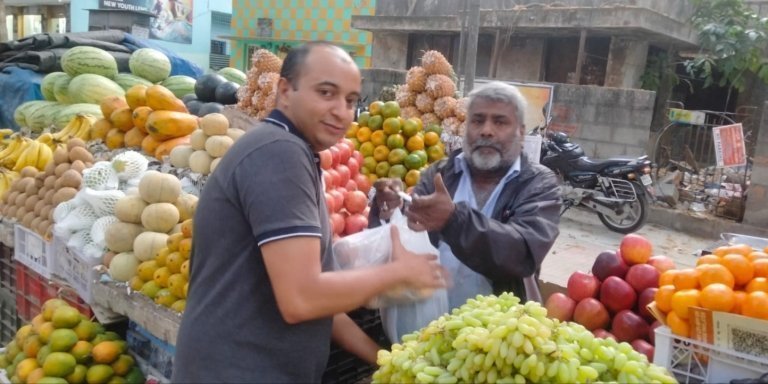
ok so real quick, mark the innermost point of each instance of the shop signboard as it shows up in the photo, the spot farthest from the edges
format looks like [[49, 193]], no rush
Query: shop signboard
[[729, 145]]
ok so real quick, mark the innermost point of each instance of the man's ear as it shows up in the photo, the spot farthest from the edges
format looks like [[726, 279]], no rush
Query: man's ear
[[283, 88]]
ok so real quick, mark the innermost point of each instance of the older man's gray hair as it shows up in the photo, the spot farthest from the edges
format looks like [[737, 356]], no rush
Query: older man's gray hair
[[503, 93]]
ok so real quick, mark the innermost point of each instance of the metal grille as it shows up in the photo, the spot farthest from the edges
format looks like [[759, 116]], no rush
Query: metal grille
[[221, 18], [218, 47], [218, 61], [621, 189]]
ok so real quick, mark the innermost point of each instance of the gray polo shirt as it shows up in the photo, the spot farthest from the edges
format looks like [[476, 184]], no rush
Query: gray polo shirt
[[267, 187]]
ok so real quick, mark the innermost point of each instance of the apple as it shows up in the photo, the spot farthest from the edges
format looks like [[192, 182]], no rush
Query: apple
[[559, 306], [328, 181], [351, 186], [357, 155], [335, 156], [330, 203], [354, 167], [338, 197], [582, 285], [628, 326], [355, 202], [591, 313], [335, 177], [646, 297], [344, 152], [603, 334], [642, 276], [355, 223], [661, 263], [344, 174], [617, 295], [337, 223], [363, 183], [643, 347], [326, 159], [609, 263], [635, 249]]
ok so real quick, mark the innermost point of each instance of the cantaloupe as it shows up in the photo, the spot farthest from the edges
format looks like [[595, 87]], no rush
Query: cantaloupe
[[120, 236], [200, 162], [186, 204], [180, 156], [156, 187], [129, 208], [214, 124], [218, 145], [123, 266], [148, 243], [160, 217]]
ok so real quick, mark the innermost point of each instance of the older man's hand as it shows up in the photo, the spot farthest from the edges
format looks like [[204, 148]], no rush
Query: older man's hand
[[431, 212], [387, 197]]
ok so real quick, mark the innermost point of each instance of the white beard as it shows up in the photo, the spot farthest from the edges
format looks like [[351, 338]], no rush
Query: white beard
[[485, 162]]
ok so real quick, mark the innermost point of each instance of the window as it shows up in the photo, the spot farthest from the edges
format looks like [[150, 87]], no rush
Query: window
[[32, 24]]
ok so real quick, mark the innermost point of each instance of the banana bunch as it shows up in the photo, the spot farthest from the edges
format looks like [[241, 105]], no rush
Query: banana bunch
[[7, 177], [5, 136], [79, 126], [37, 154], [11, 153]]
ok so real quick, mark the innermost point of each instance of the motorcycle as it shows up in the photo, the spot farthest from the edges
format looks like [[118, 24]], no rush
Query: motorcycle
[[616, 189]]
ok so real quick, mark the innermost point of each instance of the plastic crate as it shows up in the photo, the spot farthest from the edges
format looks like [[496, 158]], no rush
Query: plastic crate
[[75, 269], [7, 269], [156, 353], [33, 251], [9, 321], [343, 367], [32, 290], [692, 361]]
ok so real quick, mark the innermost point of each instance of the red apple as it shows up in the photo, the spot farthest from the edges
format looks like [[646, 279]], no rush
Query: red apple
[[330, 203], [335, 156], [335, 177], [635, 249], [642, 276], [628, 326], [363, 183], [344, 152], [652, 331], [617, 295], [348, 143], [326, 159], [344, 174], [355, 202], [351, 186], [338, 197], [354, 167], [609, 263], [559, 306], [646, 297], [337, 223], [582, 285], [661, 263], [591, 314], [643, 347], [355, 223], [357, 156], [603, 334], [328, 181]]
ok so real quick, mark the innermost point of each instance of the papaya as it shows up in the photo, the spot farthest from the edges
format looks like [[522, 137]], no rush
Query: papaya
[[164, 149], [160, 98], [164, 125], [122, 119], [149, 145], [134, 137], [140, 116], [112, 103], [136, 96]]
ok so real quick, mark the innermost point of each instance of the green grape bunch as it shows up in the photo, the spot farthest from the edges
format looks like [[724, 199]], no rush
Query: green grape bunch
[[495, 339]]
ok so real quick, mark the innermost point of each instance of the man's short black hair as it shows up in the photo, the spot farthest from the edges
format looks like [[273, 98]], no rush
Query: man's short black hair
[[294, 61]]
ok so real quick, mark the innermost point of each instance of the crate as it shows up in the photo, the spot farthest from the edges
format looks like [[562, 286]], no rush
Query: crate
[[157, 354], [75, 269], [692, 361], [32, 290], [33, 251], [9, 321], [7, 269], [7, 231], [343, 367]]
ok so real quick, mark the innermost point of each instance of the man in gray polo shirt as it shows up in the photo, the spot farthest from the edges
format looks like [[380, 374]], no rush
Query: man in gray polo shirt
[[263, 301]]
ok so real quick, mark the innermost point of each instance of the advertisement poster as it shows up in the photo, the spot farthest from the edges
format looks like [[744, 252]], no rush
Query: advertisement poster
[[172, 21], [729, 145], [539, 98]]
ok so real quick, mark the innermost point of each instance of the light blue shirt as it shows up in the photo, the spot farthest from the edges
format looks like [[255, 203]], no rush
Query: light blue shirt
[[468, 283]]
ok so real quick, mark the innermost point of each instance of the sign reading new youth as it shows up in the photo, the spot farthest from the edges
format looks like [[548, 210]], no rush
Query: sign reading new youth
[[127, 5]]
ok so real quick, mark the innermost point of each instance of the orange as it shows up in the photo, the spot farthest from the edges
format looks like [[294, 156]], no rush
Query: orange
[[721, 250], [739, 298], [682, 300], [397, 171], [352, 130], [390, 109], [431, 138], [372, 177], [378, 138], [375, 108], [756, 255], [362, 120], [411, 127], [380, 153], [756, 305], [715, 273], [412, 177], [434, 127], [363, 134], [413, 161], [740, 266], [717, 297], [435, 153], [757, 284], [395, 141], [369, 163], [708, 259], [391, 126], [397, 156], [667, 278], [356, 143], [382, 169], [677, 325], [664, 298], [375, 122], [415, 143], [741, 249], [765, 249], [686, 279], [366, 148], [760, 267]]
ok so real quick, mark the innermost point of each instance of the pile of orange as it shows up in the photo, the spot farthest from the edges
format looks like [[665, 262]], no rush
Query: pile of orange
[[732, 279], [392, 146]]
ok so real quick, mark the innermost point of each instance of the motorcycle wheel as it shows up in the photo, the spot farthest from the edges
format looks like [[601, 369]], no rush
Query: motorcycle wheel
[[634, 220]]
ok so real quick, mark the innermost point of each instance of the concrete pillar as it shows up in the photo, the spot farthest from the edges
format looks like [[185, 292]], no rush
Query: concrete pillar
[[521, 59], [626, 63], [756, 213], [390, 50]]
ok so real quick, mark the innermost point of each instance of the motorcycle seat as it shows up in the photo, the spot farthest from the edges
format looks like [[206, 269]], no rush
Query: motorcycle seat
[[597, 165]]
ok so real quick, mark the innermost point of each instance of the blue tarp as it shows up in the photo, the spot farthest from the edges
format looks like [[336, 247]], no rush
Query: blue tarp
[[18, 85]]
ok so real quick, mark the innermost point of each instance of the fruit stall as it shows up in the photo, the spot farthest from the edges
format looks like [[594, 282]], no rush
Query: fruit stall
[[97, 199]]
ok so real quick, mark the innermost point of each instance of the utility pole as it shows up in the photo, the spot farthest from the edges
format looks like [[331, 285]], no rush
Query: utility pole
[[462, 44], [3, 27], [471, 58], [580, 57]]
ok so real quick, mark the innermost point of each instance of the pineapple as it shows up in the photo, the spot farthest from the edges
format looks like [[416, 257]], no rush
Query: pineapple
[[409, 112], [424, 102], [243, 99], [404, 97], [416, 79], [429, 118], [440, 86], [258, 102], [461, 108], [445, 107], [435, 63], [265, 61], [268, 82], [270, 102], [453, 126]]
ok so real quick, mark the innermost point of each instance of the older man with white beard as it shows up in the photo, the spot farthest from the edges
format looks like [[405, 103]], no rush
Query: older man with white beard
[[492, 214]]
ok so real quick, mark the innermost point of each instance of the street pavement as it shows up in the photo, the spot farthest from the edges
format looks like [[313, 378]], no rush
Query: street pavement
[[583, 237]]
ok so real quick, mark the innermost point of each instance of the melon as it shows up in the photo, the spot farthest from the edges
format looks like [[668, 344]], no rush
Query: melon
[[156, 187], [148, 243], [42, 116], [180, 85], [48, 83], [160, 217], [84, 59], [127, 80], [68, 112], [150, 64], [205, 87], [233, 74], [92, 89], [120, 236], [123, 266], [20, 114], [61, 89]]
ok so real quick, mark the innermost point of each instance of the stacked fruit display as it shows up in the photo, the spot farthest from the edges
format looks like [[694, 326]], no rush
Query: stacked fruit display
[[732, 279], [212, 92], [346, 189], [62, 346], [392, 146], [496, 339], [207, 145], [259, 94], [616, 295]]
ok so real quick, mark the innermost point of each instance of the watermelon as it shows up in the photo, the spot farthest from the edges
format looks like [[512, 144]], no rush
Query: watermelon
[[61, 89], [80, 60], [42, 116], [68, 112], [20, 114], [126, 80], [92, 89], [150, 64], [233, 74], [180, 85], [48, 83]]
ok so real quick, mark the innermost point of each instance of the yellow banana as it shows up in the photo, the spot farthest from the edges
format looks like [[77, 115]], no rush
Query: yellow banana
[[6, 132], [44, 156], [64, 134], [12, 146], [46, 138], [10, 160], [29, 156], [84, 132]]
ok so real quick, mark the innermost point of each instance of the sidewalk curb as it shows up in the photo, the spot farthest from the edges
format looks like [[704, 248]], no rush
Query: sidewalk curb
[[705, 226]]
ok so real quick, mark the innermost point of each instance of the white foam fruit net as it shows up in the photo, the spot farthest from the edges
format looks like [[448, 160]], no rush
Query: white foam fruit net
[[79, 239], [62, 210], [129, 165], [101, 176], [102, 202], [82, 217], [99, 230]]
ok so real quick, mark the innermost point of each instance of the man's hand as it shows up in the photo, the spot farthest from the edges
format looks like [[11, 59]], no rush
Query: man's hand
[[420, 270], [387, 198], [431, 212]]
